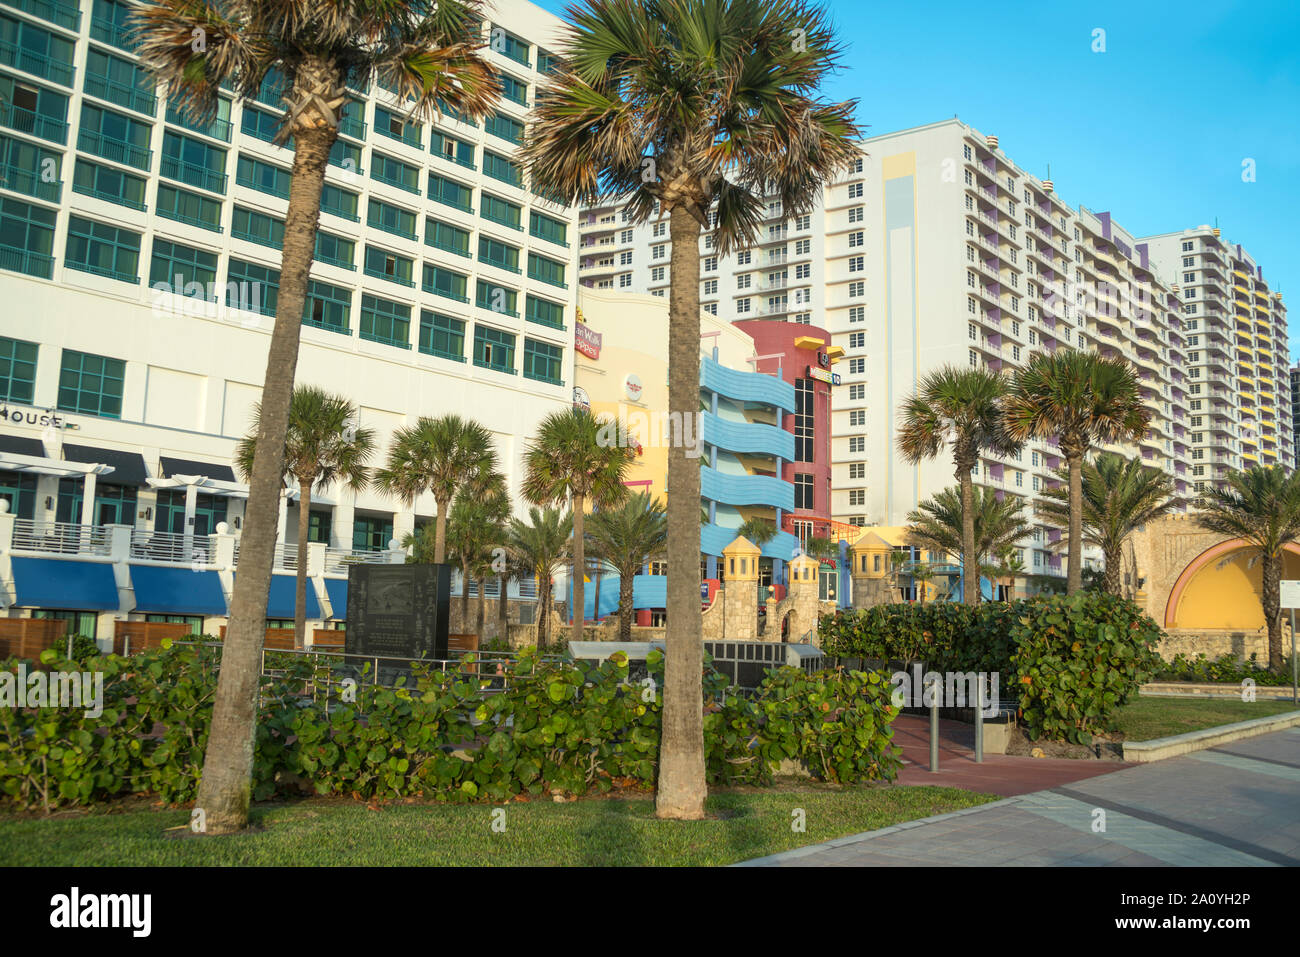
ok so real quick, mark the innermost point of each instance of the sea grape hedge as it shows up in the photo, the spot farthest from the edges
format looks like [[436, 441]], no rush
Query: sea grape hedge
[[557, 727]]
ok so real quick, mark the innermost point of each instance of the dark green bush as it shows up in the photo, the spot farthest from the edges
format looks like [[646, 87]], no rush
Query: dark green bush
[[555, 726], [1078, 659], [1225, 668], [947, 636]]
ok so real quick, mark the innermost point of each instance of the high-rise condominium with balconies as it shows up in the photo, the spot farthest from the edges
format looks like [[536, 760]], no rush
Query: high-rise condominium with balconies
[[1237, 353]]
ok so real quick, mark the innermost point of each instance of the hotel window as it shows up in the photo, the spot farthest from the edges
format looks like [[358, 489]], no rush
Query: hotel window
[[857, 264], [970, 203], [385, 321], [17, 370], [974, 358], [857, 340], [742, 282], [803, 271], [711, 308], [803, 491], [625, 236], [802, 222], [625, 259], [857, 470], [657, 274], [1019, 479], [804, 420], [857, 496], [802, 247], [657, 252], [857, 290], [965, 149], [99, 248], [857, 214], [858, 417], [543, 361], [711, 264], [742, 305], [1188, 261], [743, 257], [857, 443], [710, 287], [857, 393], [181, 266], [1036, 483], [91, 384], [856, 239], [625, 280], [326, 306], [857, 366], [494, 349], [972, 331], [658, 230], [855, 190], [857, 313], [1187, 247], [1015, 353]]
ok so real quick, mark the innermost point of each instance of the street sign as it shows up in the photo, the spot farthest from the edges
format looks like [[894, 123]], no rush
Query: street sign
[[1290, 589], [1290, 593]]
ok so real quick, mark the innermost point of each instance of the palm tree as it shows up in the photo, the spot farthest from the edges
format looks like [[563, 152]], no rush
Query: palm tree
[[691, 110], [541, 545], [1119, 496], [1010, 566], [1261, 506], [757, 531], [938, 525], [626, 537], [1081, 399], [420, 543], [961, 408], [430, 54], [439, 456], [322, 445], [922, 574], [577, 459], [475, 529]]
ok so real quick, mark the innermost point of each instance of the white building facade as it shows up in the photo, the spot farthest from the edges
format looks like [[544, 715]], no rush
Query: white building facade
[[138, 269]]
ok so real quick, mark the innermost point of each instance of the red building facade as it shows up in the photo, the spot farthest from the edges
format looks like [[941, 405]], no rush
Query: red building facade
[[803, 356]]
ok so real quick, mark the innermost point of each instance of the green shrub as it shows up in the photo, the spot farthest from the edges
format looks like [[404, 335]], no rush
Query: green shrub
[[947, 636], [555, 726], [1078, 659], [1225, 668]]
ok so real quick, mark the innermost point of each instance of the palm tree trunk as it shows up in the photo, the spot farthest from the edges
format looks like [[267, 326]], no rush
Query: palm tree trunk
[[970, 568], [625, 611], [464, 598], [300, 586], [1113, 575], [482, 609], [1074, 548], [440, 530], [682, 786], [226, 784], [579, 570], [1272, 602], [543, 611], [503, 608]]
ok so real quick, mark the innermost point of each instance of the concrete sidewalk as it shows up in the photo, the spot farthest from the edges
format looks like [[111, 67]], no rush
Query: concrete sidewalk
[[1230, 806]]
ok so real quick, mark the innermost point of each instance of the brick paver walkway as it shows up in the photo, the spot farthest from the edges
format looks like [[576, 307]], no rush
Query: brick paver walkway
[[1238, 804]]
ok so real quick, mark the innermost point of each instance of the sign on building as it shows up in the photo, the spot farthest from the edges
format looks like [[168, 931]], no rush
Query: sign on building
[[587, 341]]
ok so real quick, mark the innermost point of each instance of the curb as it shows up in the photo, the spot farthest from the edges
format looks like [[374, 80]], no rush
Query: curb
[[794, 855], [1193, 689], [1157, 749]]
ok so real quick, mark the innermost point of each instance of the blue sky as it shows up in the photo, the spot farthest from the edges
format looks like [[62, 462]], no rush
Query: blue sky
[[1154, 130]]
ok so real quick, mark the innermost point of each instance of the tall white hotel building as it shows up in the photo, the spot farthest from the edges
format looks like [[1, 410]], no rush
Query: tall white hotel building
[[937, 248], [441, 284]]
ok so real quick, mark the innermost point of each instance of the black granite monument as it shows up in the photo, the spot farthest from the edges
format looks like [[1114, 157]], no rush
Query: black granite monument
[[398, 611]]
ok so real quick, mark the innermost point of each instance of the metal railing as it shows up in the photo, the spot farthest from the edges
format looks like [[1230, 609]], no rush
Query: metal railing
[[61, 537], [170, 547]]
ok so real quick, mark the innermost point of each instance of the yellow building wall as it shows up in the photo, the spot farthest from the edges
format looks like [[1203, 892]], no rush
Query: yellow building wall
[[1226, 593]]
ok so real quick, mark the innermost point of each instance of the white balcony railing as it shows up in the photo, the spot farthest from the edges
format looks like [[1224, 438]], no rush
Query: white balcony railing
[[64, 538]]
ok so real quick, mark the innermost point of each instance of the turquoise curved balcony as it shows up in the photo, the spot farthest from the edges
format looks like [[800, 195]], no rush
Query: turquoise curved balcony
[[714, 538], [747, 437], [746, 489], [746, 386]]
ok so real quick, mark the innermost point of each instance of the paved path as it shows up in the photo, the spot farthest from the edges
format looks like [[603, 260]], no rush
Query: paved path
[[1234, 805], [999, 774]]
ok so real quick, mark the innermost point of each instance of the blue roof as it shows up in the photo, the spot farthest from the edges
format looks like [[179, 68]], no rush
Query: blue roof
[[64, 584], [336, 590], [177, 591]]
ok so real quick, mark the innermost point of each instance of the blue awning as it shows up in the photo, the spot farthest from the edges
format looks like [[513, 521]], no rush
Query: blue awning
[[279, 603], [64, 584], [177, 591], [336, 589]]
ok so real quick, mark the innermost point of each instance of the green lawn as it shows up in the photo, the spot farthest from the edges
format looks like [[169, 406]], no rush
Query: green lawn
[[1155, 717], [742, 825]]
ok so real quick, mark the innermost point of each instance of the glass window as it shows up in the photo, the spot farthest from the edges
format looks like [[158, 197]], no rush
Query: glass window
[[543, 361], [26, 238], [546, 270], [336, 250], [497, 298], [385, 321], [106, 183], [255, 227], [445, 282], [17, 370], [383, 264], [186, 207], [494, 349], [500, 211], [543, 312], [181, 268], [91, 384], [442, 336], [103, 250], [450, 193], [499, 254], [446, 236], [543, 227]]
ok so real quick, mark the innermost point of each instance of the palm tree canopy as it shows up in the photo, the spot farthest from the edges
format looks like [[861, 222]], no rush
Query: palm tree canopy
[[1260, 505], [1084, 398], [759, 531], [686, 103], [429, 53], [626, 536], [958, 406], [574, 453], [1119, 495], [323, 443], [936, 525], [542, 543], [436, 455]]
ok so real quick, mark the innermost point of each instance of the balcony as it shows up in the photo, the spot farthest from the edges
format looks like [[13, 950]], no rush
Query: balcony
[[200, 176], [25, 261], [112, 148], [29, 182], [36, 124], [749, 437], [217, 128], [122, 94], [746, 489], [37, 64]]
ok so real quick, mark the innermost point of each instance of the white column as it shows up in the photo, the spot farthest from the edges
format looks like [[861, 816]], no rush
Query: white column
[[88, 499], [191, 503]]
